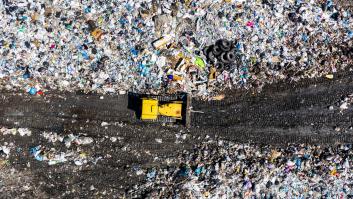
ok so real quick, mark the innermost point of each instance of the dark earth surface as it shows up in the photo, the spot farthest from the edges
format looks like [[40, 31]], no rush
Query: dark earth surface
[[282, 113]]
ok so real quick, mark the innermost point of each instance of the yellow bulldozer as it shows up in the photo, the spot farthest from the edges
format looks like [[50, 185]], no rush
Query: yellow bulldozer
[[174, 108]]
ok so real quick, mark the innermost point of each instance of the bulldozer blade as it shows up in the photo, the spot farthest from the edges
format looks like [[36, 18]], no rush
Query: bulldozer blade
[[186, 110]]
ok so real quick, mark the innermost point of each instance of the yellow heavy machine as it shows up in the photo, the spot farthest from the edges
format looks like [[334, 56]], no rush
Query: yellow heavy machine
[[161, 108]]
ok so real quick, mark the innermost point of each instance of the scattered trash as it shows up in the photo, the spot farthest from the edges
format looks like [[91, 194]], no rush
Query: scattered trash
[[24, 131], [113, 139], [36, 153], [225, 169], [104, 124], [218, 97], [158, 140], [14, 131], [202, 47], [77, 140], [344, 106], [344, 103], [151, 174], [4, 151], [329, 76], [32, 91]]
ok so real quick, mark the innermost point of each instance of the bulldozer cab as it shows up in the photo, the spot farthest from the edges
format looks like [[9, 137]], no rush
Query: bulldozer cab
[[149, 109]]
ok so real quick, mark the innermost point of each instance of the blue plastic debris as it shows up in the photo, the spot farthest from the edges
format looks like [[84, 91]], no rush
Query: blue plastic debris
[[199, 170], [184, 171], [239, 46], [134, 51], [88, 9], [85, 55], [298, 163], [35, 151], [144, 69], [123, 21], [151, 174], [32, 91], [128, 7], [170, 77], [26, 75], [350, 34], [329, 4]]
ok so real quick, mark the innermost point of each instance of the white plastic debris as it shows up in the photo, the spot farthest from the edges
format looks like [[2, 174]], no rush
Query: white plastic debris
[[6, 150], [84, 140], [104, 124], [344, 106], [113, 139], [24, 131], [158, 140]]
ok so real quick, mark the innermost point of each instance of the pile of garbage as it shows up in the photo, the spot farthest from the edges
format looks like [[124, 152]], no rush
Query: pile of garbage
[[53, 156], [14, 131], [6, 148], [74, 153], [343, 104], [163, 46], [228, 170]]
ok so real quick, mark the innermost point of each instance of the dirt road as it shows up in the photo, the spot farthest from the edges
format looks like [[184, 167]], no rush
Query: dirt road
[[282, 113]]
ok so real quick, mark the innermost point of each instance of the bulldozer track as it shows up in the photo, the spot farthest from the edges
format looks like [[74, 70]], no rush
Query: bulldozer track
[[281, 114]]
